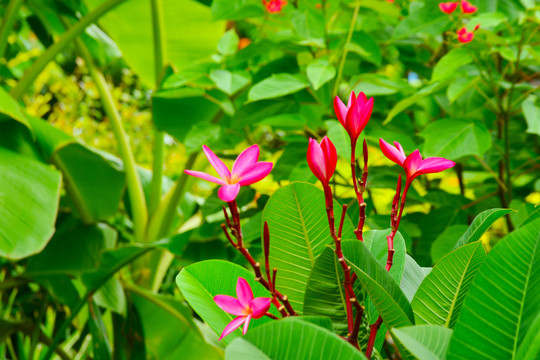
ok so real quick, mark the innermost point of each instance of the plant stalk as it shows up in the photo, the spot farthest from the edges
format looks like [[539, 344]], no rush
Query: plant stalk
[[344, 55], [66, 39], [12, 10]]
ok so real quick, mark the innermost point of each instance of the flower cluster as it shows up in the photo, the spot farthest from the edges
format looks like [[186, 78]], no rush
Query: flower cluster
[[274, 6], [463, 35]]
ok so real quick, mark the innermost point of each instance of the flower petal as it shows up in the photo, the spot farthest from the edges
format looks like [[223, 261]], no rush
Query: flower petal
[[411, 164], [434, 165], [341, 110], [233, 325], [205, 176], [230, 304], [362, 98], [394, 154], [228, 193], [216, 163], [246, 324], [256, 173], [260, 306], [330, 156], [246, 160], [243, 292], [316, 162], [352, 99]]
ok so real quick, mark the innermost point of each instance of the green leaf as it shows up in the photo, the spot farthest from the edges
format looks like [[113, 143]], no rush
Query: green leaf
[[29, 195], [236, 9], [100, 339], [339, 137], [277, 85], [228, 44], [446, 241], [424, 18], [365, 46], [412, 277], [425, 342], [200, 282], [480, 224], [531, 112], [375, 241], [299, 231], [9, 107], [450, 63], [454, 138], [530, 346], [111, 296], [319, 73], [308, 24], [230, 82], [72, 250], [292, 339], [159, 314], [130, 26], [439, 299], [459, 86], [503, 300], [411, 100], [487, 20], [382, 289]]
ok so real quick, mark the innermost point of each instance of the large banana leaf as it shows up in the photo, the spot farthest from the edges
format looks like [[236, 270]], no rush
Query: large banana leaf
[[503, 301], [29, 195], [382, 289], [299, 231], [200, 282], [291, 339], [439, 299], [423, 342]]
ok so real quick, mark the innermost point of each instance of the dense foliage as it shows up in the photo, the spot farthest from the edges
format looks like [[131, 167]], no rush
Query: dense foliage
[[109, 250]]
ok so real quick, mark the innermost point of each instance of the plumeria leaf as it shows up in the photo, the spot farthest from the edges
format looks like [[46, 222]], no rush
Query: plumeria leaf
[[296, 217], [426, 342], [480, 224], [503, 300]]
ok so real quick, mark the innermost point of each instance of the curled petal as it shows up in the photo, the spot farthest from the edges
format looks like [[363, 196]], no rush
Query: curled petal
[[246, 160], [341, 110], [352, 99], [256, 173], [230, 305], [330, 157], [260, 306], [411, 164], [246, 324], [394, 154], [220, 167], [315, 159], [228, 192], [233, 325], [362, 98], [435, 165], [243, 292], [205, 176]]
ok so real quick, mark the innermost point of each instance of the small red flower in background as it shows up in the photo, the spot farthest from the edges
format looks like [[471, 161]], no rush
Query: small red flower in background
[[465, 36], [274, 6], [448, 7], [467, 7]]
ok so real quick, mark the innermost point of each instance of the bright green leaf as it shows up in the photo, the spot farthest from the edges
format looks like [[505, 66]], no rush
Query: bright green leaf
[[450, 63], [275, 86], [480, 224], [319, 73], [228, 44], [424, 342], [531, 112], [230, 82]]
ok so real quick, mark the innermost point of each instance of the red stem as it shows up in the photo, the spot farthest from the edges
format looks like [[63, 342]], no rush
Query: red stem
[[359, 190], [372, 336]]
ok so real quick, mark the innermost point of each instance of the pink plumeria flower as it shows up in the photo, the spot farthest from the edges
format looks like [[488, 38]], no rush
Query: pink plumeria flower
[[355, 116], [245, 307], [467, 7], [465, 36], [413, 164], [246, 171], [322, 159], [448, 7], [274, 6]]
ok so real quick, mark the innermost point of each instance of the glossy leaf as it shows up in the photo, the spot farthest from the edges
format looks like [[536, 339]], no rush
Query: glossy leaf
[[296, 217], [275, 86], [450, 63], [200, 282], [29, 195], [287, 339], [531, 112], [454, 138], [424, 342], [480, 224], [101, 343], [382, 289], [446, 241], [503, 300], [376, 242], [230, 82], [423, 19], [440, 297], [412, 278], [319, 73], [236, 9]]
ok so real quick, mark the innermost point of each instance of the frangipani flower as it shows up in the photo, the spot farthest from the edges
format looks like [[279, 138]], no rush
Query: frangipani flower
[[355, 116], [413, 164], [246, 171], [467, 7], [448, 7], [322, 159], [245, 307], [274, 6]]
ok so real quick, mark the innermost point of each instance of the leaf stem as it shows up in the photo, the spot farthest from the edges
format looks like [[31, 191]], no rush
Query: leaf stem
[[66, 39], [345, 50], [135, 190], [12, 10]]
